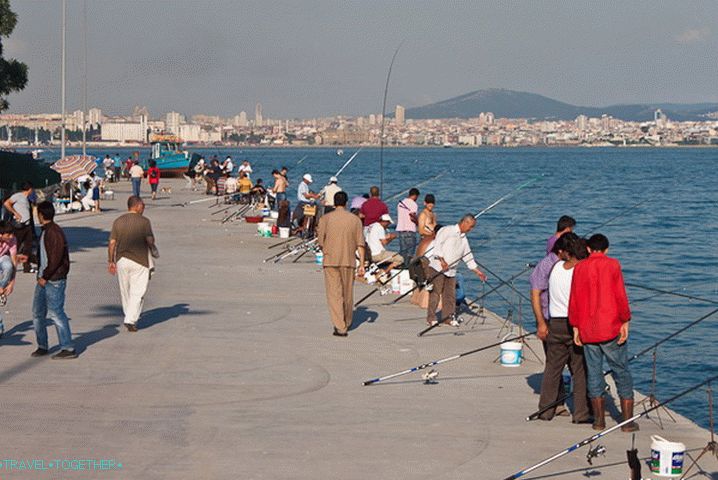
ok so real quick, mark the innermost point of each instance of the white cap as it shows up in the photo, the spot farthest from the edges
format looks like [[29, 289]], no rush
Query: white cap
[[333, 179], [386, 218], [308, 178]]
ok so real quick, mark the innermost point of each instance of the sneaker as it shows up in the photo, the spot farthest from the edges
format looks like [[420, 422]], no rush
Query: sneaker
[[385, 290], [454, 323], [131, 327], [32, 270], [64, 354], [40, 352], [3, 299]]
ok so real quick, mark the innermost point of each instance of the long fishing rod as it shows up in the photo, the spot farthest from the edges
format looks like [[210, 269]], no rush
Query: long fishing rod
[[383, 121], [618, 215], [420, 184], [561, 400], [346, 164], [603, 433], [301, 159], [511, 286], [279, 244], [444, 360], [453, 264], [528, 267], [299, 248], [675, 294]]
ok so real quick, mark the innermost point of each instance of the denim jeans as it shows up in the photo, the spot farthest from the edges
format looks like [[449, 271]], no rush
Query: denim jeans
[[407, 245], [617, 359], [280, 196], [6, 271], [49, 302], [136, 186]]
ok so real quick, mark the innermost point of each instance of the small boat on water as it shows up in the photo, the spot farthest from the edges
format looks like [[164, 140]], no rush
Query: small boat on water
[[167, 152]]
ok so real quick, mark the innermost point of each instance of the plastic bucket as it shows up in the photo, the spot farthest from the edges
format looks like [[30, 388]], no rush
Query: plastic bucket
[[319, 257], [283, 232], [511, 354], [274, 215], [262, 227], [666, 457], [265, 212]]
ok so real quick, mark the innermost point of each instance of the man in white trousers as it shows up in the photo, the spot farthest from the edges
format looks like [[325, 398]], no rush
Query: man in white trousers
[[132, 246]]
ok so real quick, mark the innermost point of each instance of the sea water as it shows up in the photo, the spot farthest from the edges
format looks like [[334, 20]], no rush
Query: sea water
[[665, 232]]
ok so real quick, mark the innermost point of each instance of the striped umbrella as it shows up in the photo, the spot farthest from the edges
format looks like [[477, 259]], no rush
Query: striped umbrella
[[74, 166]]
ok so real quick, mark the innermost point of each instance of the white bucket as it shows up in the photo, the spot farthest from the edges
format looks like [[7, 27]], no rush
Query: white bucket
[[274, 215], [666, 457], [406, 284], [283, 232], [262, 227], [395, 281], [511, 353]]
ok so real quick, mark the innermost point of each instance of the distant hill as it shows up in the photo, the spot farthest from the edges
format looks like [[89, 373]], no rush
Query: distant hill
[[513, 104]]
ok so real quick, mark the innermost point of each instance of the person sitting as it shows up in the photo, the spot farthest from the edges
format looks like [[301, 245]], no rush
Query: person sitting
[[377, 238], [87, 201], [259, 193], [245, 188], [231, 186]]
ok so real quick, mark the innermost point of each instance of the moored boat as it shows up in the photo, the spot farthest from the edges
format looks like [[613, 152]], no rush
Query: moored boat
[[167, 152]]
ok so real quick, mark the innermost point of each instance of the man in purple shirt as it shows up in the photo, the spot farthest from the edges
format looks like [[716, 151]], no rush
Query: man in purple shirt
[[565, 224]]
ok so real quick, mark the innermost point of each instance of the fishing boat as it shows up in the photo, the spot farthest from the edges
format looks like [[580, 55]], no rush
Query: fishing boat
[[167, 152]]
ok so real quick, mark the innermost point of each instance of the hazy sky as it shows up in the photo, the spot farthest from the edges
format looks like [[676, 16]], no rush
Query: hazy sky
[[309, 58]]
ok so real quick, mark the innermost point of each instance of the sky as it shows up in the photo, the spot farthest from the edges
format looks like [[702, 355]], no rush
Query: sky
[[303, 58]]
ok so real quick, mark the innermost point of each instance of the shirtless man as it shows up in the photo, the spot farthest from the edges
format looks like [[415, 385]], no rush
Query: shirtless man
[[427, 217], [279, 188]]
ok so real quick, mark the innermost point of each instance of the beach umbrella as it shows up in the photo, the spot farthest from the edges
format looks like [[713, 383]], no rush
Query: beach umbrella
[[74, 166]]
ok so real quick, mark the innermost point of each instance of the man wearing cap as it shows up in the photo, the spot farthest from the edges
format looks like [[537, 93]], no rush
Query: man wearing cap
[[304, 197], [377, 239], [328, 193], [340, 236]]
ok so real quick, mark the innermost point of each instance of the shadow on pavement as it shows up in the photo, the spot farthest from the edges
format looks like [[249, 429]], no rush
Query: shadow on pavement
[[361, 315]]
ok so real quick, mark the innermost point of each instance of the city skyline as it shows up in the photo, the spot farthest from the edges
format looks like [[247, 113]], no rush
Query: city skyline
[[317, 59]]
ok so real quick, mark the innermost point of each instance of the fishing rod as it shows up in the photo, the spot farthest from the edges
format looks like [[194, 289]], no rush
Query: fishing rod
[[528, 267], [420, 184], [511, 286], [307, 246], [453, 264], [444, 360], [675, 294], [288, 249], [643, 299], [383, 120], [346, 164], [301, 159], [279, 244], [560, 401], [605, 432], [618, 215]]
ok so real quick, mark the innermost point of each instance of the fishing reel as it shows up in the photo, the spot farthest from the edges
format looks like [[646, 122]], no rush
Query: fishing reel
[[430, 377], [595, 452]]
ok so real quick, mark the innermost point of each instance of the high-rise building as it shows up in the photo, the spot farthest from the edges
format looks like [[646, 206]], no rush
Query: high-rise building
[[173, 120], [399, 115], [240, 120], [372, 119], [582, 122], [258, 115], [489, 118], [95, 116]]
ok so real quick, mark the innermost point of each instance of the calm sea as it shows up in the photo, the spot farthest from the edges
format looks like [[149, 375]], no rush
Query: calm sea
[[665, 231]]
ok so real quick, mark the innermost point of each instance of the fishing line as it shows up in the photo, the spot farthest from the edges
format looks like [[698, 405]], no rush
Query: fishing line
[[383, 121], [675, 294]]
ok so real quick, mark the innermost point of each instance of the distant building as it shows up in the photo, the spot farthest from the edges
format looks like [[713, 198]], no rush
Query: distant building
[[125, 131], [372, 119], [95, 116], [240, 120], [172, 123], [399, 115], [582, 122], [258, 115], [489, 118], [189, 132]]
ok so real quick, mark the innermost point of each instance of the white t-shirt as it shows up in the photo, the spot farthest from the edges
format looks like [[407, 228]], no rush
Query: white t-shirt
[[21, 205], [136, 171], [246, 169], [559, 289], [228, 166], [374, 235]]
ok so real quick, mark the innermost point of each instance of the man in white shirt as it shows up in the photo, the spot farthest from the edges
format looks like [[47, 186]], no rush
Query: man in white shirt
[[228, 166], [18, 205], [450, 247], [377, 239], [328, 193], [136, 174], [246, 168]]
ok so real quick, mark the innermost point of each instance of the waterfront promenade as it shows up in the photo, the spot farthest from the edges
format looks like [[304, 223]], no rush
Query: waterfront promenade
[[234, 374]]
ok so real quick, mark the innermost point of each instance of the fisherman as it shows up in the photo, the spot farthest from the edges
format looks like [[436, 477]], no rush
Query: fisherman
[[19, 207], [246, 168], [228, 166], [357, 202], [565, 224], [305, 197], [450, 247], [130, 252], [328, 193], [560, 349], [407, 220], [279, 188], [427, 217], [8, 265], [49, 298], [245, 187], [374, 208], [599, 314], [377, 239], [340, 236]]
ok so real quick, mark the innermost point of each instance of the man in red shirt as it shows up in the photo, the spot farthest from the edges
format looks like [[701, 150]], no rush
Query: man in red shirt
[[374, 208], [599, 314]]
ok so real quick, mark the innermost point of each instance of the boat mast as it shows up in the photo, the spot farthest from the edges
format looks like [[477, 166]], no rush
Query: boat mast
[[62, 80]]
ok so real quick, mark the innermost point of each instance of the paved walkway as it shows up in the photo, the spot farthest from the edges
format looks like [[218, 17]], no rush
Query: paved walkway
[[234, 374]]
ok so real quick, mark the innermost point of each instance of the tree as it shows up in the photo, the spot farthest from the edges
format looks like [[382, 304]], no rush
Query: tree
[[13, 74]]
